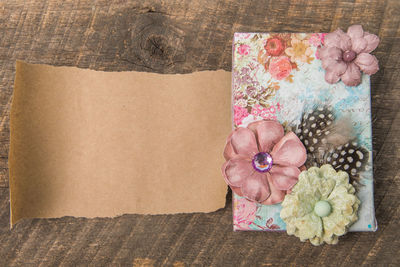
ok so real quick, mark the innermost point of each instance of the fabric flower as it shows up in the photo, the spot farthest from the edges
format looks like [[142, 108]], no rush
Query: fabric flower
[[300, 50], [321, 206], [275, 46], [244, 49], [245, 213], [262, 163], [345, 55], [280, 67]]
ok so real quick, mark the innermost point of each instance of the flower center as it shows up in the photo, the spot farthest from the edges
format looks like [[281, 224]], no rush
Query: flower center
[[262, 162], [349, 56], [322, 208]]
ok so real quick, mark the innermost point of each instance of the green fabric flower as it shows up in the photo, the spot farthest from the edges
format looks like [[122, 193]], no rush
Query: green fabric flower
[[321, 206]]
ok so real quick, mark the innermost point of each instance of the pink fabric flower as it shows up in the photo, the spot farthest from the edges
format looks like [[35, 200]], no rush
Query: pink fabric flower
[[245, 213], [280, 67], [244, 49], [262, 163], [345, 55], [239, 114]]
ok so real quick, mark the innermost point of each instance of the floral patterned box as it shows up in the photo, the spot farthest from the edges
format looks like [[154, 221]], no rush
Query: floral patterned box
[[278, 76]]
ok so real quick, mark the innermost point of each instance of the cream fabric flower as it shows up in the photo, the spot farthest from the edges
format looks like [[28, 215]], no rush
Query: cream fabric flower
[[321, 206]]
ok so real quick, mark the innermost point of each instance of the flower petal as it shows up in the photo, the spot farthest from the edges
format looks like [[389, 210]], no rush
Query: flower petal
[[345, 42], [268, 134], [333, 39], [236, 190], [244, 142], [331, 77], [372, 41], [355, 31], [352, 76], [253, 125], [236, 170], [367, 63], [338, 67], [229, 152], [310, 226], [289, 151], [256, 187], [338, 39], [284, 178], [276, 196], [330, 52], [358, 44], [327, 62]]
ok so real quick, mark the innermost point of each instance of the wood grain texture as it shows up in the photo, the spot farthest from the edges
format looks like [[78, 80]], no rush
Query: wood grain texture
[[179, 37]]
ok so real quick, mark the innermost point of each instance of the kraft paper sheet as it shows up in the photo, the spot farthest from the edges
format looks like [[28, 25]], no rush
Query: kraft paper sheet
[[100, 144]]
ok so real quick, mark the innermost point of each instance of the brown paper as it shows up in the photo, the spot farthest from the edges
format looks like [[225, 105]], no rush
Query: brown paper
[[99, 144]]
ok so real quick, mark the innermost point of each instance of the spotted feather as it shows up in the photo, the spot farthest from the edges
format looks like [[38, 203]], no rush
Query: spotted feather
[[350, 157], [312, 130], [328, 142]]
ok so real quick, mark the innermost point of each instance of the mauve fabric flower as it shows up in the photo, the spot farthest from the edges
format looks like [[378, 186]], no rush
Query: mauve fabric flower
[[262, 163], [345, 55]]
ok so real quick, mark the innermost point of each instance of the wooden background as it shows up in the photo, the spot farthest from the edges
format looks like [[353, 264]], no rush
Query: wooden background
[[185, 36]]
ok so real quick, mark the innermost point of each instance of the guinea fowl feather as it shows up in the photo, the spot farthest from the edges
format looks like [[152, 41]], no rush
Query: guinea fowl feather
[[329, 140]]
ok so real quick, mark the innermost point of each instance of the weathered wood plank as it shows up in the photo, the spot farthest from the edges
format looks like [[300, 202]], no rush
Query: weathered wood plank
[[181, 36]]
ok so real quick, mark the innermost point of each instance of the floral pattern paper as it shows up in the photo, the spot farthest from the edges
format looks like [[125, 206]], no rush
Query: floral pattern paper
[[278, 76]]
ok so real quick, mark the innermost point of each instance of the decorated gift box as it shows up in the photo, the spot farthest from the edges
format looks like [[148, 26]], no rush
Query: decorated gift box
[[300, 155]]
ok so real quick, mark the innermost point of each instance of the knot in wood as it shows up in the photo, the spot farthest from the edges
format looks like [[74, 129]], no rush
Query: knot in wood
[[157, 47], [156, 43]]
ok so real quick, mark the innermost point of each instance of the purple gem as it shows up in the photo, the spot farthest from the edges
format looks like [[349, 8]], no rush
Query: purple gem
[[262, 162], [349, 56]]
